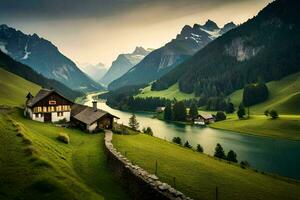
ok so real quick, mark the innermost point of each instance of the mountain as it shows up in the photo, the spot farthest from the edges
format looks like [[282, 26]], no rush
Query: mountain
[[95, 71], [17, 68], [164, 59], [265, 48], [123, 63], [45, 58]]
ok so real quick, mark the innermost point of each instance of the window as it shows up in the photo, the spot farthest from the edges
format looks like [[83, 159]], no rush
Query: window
[[44, 109], [60, 114], [36, 115], [58, 108], [52, 108], [39, 109], [49, 109], [52, 102]]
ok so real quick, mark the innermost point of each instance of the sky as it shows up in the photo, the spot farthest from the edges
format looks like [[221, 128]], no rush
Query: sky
[[93, 31]]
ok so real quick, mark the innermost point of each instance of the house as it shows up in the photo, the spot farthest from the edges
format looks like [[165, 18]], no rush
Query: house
[[160, 109], [91, 118], [50, 106], [205, 118]]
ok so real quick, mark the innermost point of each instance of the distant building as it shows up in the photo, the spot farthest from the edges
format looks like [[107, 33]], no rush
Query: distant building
[[50, 106], [207, 118], [160, 109]]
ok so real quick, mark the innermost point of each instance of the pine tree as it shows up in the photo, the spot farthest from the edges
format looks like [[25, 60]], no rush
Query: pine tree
[[241, 112], [219, 152], [133, 123], [231, 156], [193, 111], [179, 111], [168, 113]]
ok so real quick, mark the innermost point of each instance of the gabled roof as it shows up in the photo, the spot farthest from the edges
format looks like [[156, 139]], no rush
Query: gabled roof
[[206, 116], [87, 114], [43, 93]]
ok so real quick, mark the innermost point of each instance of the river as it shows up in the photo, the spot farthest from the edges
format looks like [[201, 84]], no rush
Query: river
[[278, 156]]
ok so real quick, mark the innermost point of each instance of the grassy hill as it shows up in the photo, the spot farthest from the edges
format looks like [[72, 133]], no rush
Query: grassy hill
[[13, 89], [35, 165], [197, 175], [284, 96], [170, 93]]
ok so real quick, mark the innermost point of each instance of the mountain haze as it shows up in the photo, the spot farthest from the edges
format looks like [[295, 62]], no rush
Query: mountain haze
[[164, 59], [123, 63], [45, 58]]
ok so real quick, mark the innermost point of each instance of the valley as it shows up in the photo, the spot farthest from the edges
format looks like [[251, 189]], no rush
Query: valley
[[209, 112]]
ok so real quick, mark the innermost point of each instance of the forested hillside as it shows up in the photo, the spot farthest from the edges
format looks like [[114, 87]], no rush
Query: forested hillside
[[265, 48]]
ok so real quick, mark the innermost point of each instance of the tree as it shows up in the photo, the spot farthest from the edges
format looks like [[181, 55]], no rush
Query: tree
[[219, 152], [193, 111], [187, 145], [133, 123], [231, 156], [220, 116], [177, 140], [148, 131], [199, 148], [179, 111], [168, 113], [230, 108], [273, 114], [241, 112], [244, 164]]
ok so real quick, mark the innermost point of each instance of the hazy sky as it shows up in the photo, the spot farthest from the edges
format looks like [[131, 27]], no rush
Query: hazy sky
[[91, 31]]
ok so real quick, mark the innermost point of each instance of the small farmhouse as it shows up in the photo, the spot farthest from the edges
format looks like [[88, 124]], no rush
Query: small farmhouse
[[50, 106], [204, 118]]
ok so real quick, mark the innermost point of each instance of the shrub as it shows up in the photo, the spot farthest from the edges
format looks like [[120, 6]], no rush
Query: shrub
[[231, 156], [26, 141], [187, 145], [244, 164], [44, 186], [177, 140], [199, 148], [273, 114], [148, 131], [30, 150], [220, 116], [63, 137], [267, 112]]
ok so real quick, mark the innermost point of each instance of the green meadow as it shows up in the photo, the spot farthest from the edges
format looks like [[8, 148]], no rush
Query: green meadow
[[197, 175]]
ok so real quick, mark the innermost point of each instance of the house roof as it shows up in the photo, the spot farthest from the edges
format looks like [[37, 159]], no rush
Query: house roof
[[39, 96], [206, 116], [43, 93], [87, 114]]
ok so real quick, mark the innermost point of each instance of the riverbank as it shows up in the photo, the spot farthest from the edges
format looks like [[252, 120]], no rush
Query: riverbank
[[197, 174], [285, 127]]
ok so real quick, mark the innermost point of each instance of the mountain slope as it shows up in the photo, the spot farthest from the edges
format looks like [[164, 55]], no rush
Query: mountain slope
[[45, 58], [29, 74], [266, 47], [123, 63], [162, 60], [13, 89], [284, 96]]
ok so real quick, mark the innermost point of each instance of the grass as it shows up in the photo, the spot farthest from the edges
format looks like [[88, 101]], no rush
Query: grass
[[197, 175], [285, 127], [170, 93], [284, 96], [35, 165], [14, 89]]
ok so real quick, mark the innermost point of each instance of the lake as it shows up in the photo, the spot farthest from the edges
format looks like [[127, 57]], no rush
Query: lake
[[278, 156]]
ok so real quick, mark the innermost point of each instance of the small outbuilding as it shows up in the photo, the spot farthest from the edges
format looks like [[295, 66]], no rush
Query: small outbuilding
[[205, 118]]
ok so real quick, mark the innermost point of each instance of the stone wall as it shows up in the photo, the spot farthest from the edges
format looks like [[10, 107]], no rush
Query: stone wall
[[139, 183]]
